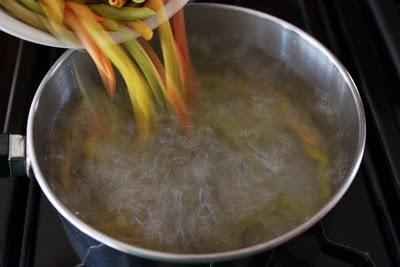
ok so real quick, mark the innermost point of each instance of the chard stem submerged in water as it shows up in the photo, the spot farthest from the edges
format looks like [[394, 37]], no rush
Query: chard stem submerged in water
[[311, 141]]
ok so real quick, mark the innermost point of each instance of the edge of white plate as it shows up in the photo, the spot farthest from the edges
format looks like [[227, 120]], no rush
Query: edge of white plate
[[29, 33]]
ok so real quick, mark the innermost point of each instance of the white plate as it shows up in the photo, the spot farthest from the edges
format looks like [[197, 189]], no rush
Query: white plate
[[24, 31]]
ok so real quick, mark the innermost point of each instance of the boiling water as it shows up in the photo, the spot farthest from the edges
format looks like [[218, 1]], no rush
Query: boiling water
[[261, 158]]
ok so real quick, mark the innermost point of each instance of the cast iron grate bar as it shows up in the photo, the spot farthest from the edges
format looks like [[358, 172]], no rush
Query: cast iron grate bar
[[378, 194], [305, 17], [19, 228], [30, 227], [387, 16], [13, 87], [291, 254], [33, 208], [9, 48], [341, 251], [357, 55], [13, 233], [376, 92]]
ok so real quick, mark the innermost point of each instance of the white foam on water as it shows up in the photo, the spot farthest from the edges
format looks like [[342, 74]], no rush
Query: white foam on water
[[240, 178]]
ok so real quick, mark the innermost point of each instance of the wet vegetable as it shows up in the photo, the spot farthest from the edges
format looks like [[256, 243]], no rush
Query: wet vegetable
[[123, 13]]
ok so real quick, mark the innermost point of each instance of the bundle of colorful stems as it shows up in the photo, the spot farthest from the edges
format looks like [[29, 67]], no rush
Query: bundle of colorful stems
[[150, 81]]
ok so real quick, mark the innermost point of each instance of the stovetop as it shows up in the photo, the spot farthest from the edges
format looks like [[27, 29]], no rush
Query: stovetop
[[362, 230]]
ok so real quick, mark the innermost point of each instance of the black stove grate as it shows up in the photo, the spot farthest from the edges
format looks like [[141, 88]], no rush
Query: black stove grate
[[341, 251], [363, 230], [387, 17], [300, 252]]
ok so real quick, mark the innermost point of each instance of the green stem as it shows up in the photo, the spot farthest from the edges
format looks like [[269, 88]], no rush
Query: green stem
[[123, 13], [32, 5], [145, 64], [21, 12]]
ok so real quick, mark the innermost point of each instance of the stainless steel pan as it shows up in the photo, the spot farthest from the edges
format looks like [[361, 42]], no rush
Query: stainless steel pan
[[278, 38]]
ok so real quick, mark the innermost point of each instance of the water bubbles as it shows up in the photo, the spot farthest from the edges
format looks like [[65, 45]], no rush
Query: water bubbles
[[240, 178]]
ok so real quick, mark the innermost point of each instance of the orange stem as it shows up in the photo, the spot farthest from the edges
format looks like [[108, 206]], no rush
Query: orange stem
[[153, 56], [103, 64], [173, 94], [186, 69]]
